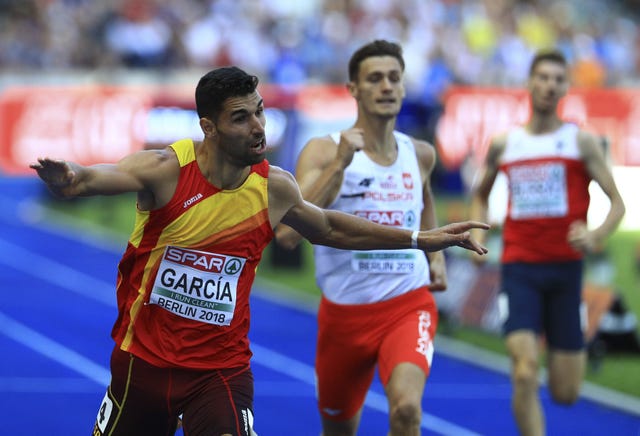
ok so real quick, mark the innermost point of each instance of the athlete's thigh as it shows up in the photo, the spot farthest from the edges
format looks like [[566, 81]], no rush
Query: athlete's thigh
[[221, 403], [136, 399], [521, 298], [409, 339], [345, 363], [343, 376], [562, 308]]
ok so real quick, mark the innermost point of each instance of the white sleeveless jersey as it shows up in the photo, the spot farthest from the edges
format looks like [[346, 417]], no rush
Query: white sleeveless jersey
[[389, 195]]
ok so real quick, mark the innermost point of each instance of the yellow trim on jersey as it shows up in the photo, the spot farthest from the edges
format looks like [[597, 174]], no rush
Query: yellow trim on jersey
[[224, 206], [185, 150]]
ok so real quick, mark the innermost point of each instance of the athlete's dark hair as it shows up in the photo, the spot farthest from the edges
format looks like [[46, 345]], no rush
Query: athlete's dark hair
[[379, 47], [551, 55], [215, 87]]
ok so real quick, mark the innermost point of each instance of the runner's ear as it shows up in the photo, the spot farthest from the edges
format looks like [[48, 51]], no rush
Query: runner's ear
[[208, 127]]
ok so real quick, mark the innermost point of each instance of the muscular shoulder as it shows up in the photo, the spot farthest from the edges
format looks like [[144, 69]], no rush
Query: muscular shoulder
[[158, 170], [497, 144], [280, 181], [499, 141], [425, 152], [283, 193], [319, 150], [589, 144], [165, 157], [154, 166]]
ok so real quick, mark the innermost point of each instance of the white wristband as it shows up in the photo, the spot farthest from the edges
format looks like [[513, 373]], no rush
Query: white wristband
[[414, 239]]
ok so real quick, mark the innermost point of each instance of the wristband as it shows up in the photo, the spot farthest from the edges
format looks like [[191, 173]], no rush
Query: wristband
[[414, 239]]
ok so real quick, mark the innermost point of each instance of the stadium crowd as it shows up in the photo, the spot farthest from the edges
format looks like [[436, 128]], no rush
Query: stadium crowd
[[447, 41]]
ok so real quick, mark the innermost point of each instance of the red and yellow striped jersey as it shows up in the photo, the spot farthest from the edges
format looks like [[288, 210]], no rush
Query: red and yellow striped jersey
[[184, 280]]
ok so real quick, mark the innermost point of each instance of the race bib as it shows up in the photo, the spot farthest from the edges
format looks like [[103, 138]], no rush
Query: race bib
[[538, 191], [198, 285], [383, 262]]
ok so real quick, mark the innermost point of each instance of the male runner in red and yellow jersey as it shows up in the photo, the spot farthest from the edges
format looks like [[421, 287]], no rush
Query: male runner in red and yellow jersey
[[205, 212]]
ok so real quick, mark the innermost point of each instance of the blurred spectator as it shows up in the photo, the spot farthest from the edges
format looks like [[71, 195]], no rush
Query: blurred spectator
[[139, 35], [484, 42]]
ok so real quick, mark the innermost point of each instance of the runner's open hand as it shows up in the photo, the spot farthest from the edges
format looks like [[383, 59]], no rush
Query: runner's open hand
[[58, 174], [454, 234]]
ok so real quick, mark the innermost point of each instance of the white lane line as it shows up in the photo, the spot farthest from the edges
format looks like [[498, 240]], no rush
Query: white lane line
[[33, 214], [56, 273], [281, 295], [306, 373], [53, 350], [465, 352], [47, 385], [486, 359], [80, 283]]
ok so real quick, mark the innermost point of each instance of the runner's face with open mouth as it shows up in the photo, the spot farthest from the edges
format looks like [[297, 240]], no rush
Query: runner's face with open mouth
[[241, 129]]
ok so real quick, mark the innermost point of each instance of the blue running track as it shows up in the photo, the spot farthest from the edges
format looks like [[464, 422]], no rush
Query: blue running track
[[58, 306]]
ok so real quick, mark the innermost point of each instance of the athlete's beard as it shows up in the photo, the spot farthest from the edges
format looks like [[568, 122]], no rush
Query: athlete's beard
[[239, 152]]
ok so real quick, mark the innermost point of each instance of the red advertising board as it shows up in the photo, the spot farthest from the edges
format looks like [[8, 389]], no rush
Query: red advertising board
[[88, 124], [93, 124], [473, 115]]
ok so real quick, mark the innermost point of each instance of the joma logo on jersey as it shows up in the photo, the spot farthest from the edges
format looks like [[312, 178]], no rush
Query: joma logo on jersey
[[192, 200], [196, 259], [386, 217]]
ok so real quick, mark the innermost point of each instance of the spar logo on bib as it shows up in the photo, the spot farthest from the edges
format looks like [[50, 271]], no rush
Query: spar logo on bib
[[203, 261]]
